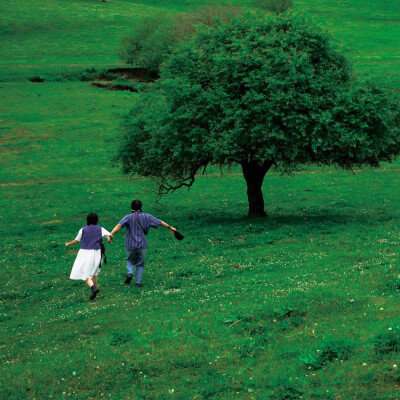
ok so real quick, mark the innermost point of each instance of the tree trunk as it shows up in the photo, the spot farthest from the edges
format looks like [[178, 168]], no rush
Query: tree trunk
[[254, 175]]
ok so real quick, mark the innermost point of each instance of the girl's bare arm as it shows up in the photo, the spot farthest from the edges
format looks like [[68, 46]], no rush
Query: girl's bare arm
[[71, 242]]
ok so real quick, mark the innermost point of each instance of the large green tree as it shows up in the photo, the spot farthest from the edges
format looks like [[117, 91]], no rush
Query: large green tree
[[259, 91]]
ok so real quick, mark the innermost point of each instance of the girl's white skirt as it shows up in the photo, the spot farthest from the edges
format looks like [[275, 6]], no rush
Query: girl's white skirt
[[86, 265]]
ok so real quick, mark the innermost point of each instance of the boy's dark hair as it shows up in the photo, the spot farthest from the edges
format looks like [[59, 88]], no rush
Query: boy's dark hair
[[92, 219], [136, 205]]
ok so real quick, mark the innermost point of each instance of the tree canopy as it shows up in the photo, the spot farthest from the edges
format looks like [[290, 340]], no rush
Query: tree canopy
[[258, 91]]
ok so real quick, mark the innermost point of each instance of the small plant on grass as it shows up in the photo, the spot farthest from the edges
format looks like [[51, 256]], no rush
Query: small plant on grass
[[263, 321], [393, 285], [253, 346], [390, 373], [251, 324], [289, 317], [283, 389], [387, 342], [119, 337], [330, 350]]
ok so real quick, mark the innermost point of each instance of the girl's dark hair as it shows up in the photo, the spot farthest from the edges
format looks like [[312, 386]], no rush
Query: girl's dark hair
[[136, 205], [92, 219]]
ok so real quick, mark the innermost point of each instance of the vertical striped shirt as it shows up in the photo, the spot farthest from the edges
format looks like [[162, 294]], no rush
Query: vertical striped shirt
[[135, 236]]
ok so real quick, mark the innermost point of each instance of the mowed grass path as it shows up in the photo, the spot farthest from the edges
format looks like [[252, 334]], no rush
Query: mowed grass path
[[242, 308]]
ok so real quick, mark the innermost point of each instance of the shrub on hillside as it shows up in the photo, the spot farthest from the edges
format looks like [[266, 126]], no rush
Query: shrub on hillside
[[148, 42], [36, 78], [208, 14], [276, 6], [87, 75], [152, 38]]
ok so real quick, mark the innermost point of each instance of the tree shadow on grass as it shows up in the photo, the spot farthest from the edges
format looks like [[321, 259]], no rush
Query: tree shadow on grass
[[320, 220]]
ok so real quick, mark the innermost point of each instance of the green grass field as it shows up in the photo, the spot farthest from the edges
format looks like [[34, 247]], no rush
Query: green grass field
[[300, 305]]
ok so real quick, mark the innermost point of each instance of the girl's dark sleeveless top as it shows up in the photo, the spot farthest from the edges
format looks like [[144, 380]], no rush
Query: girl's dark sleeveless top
[[91, 237]]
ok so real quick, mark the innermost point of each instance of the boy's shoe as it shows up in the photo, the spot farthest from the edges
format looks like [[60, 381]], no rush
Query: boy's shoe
[[138, 284], [95, 290], [128, 279]]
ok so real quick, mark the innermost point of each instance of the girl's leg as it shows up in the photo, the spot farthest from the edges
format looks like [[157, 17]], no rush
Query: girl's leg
[[92, 283], [89, 281]]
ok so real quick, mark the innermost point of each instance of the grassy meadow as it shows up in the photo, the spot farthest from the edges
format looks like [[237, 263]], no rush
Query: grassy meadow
[[303, 304]]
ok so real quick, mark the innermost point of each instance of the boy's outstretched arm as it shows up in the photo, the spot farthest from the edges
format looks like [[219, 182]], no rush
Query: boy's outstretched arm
[[168, 226], [115, 230], [71, 242]]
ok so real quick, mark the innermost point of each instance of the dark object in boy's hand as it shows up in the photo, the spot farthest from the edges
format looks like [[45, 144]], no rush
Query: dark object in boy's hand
[[178, 235]]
